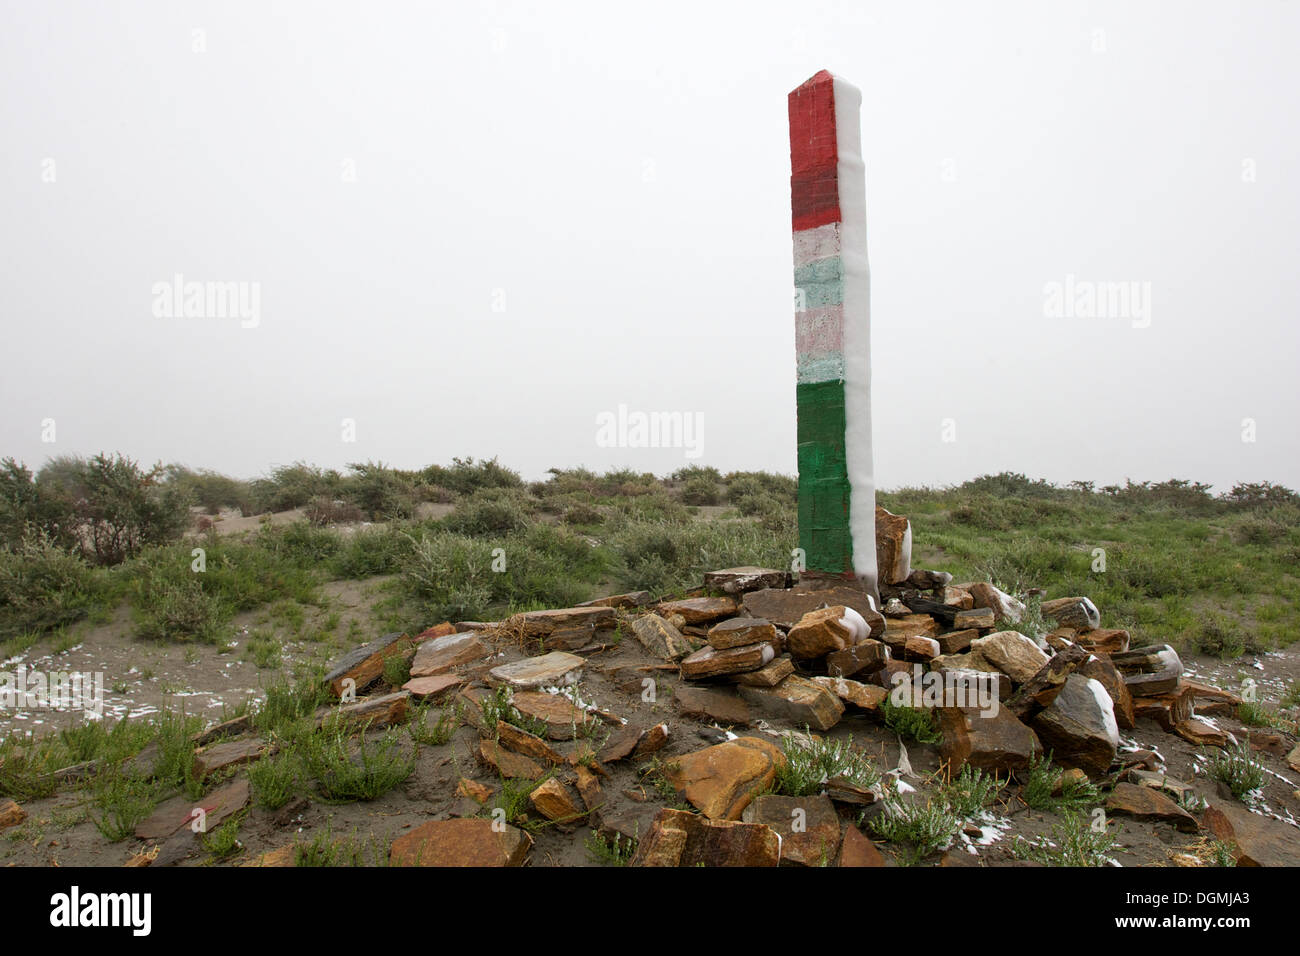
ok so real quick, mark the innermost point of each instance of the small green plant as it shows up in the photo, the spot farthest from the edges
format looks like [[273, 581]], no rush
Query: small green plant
[[223, 842], [612, 852], [911, 723], [1074, 842], [969, 792], [377, 768], [920, 828], [1238, 769], [397, 670], [809, 765], [1045, 779], [123, 802], [276, 780], [442, 730], [1219, 853], [1254, 714]]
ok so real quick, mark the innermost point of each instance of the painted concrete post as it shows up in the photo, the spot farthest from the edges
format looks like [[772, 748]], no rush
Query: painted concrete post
[[837, 496]]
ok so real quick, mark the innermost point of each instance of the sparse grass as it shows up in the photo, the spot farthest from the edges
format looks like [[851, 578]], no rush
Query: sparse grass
[[808, 766], [123, 802], [969, 792], [911, 723], [1074, 842], [918, 828], [223, 842], [614, 852], [1238, 769], [397, 670], [376, 768], [442, 730], [1042, 780], [276, 780]]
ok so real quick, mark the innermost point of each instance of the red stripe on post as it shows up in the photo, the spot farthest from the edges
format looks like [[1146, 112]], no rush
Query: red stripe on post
[[814, 154]]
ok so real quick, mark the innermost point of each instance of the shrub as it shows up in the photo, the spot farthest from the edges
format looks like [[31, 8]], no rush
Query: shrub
[[1238, 769], [466, 476], [491, 512], [323, 511], [181, 611], [371, 551], [43, 587], [701, 491], [32, 509], [380, 492], [292, 486]]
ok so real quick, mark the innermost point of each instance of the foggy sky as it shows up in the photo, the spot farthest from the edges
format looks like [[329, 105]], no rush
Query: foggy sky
[[476, 228]]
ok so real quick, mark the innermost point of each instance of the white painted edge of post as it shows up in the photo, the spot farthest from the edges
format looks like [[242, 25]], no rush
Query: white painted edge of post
[[851, 173]]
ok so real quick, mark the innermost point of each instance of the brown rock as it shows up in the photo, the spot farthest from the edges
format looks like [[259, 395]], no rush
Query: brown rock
[[372, 713], [1012, 653], [920, 649], [235, 727], [654, 739], [700, 610], [552, 800], [710, 662], [563, 720], [1149, 671], [679, 838], [959, 598], [769, 675], [1293, 759], [627, 601], [1105, 640], [1080, 727], [956, 642], [231, 753], [1076, 612], [980, 618], [1102, 670], [432, 688], [996, 743], [1259, 841], [721, 706], [181, 811], [740, 631], [478, 792], [867, 697], [589, 788], [660, 638], [1143, 803], [1003, 604], [818, 633], [537, 625], [809, 827], [1200, 733], [798, 700], [785, 607], [438, 630], [899, 629], [722, 780], [865, 658], [893, 547], [740, 580], [557, 667], [441, 654], [365, 664], [859, 850], [508, 764], [11, 814], [471, 841], [522, 742]]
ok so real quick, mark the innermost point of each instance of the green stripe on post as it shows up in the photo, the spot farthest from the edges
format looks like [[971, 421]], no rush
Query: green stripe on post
[[823, 478]]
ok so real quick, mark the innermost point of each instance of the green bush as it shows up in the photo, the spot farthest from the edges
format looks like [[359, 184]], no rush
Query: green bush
[[493, 511], [43, 587], [466, 476], [701, 491], [380, 492], [179, 611]]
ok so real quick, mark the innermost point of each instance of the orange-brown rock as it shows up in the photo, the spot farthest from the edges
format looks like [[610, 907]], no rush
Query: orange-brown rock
[[700, 610], [507, 763], [553, 800], [679, 838], [818, 633], [365, 664], [720, 781], [799, 701], [11, 814], [893, 547], [739, 631], [470, 841], [858, 850]]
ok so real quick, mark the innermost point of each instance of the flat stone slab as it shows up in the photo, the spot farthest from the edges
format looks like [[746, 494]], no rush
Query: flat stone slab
[[180, 811], [721, 706], [557, 668], [678, 838], [366, 663], [740, 631], [700, 610], [563, 720], [809, 827], [746, 578], [1260, 841], [661, 638], [465, 842], [785, 607], [431, 688], [720, 781], [711, 662], [231, 753], [798, 700], [1144, 803], [441, 654]]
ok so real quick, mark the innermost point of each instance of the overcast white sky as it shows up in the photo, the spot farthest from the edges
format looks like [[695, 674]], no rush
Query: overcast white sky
[[616, 177]]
